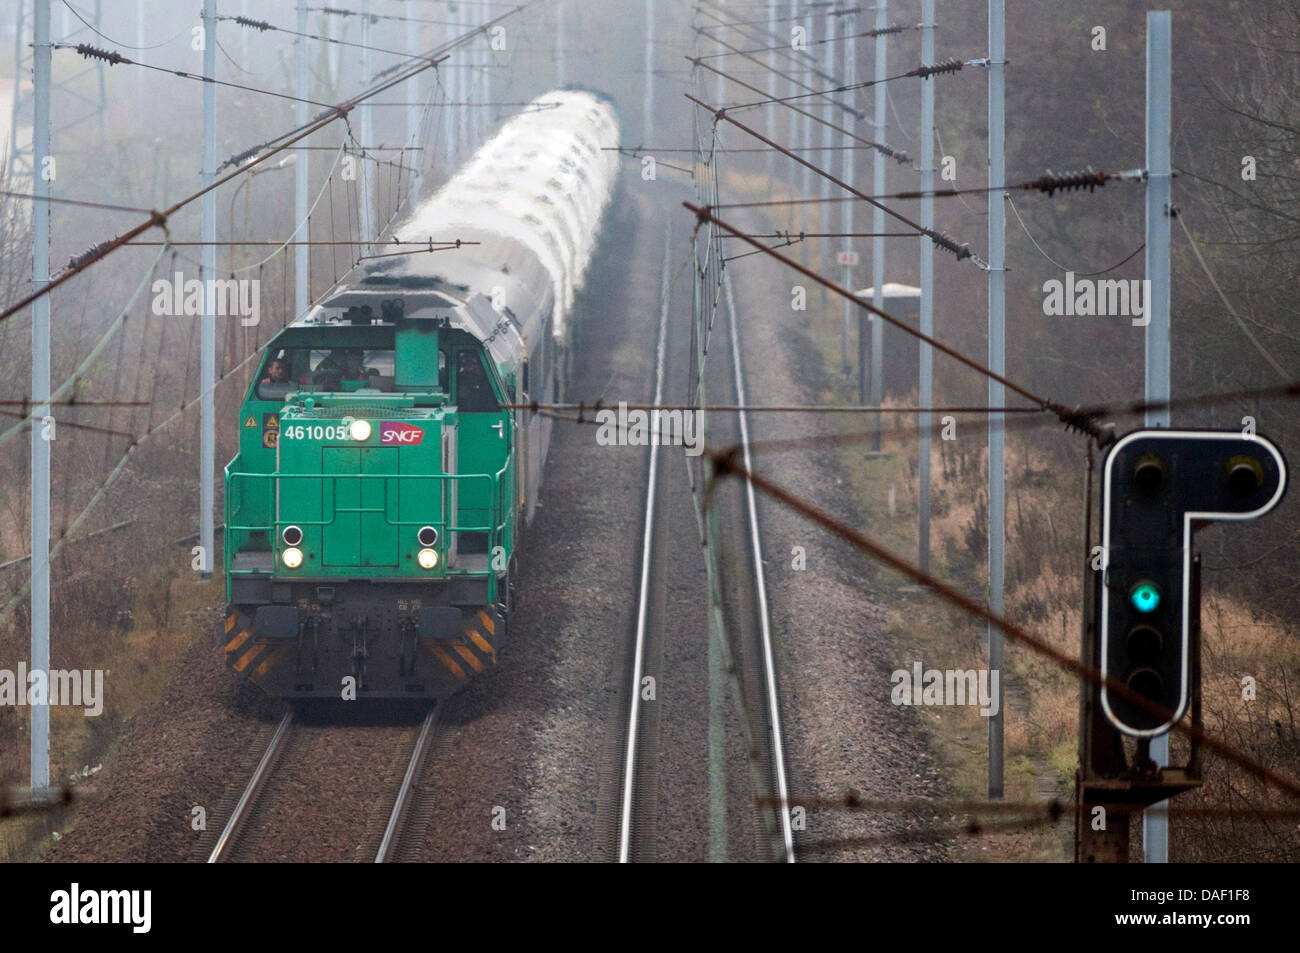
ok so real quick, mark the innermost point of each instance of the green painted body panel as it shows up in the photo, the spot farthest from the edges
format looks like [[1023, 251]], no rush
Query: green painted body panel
[[478, 450], [362, 533], [360, 503]]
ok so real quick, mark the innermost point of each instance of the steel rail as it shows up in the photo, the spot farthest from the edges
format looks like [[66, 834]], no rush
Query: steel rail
[[940, 239], [252, 791], [643, 604], [760, 584], [401, 807], [705, 215]]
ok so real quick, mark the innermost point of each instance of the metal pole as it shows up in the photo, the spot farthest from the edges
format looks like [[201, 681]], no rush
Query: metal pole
[[18, 82], [878, 226], [367, 133], [302, 256], [1155, 820], [846, 209], [828, 139], [473, 114], [559, 43], [40, 483], [139, 41], [771, 92], [484, 76], [333, 53], [468, 89], [719, 88], [208, 327], [449, 120], [647, 124], [998, 364], [413, 113], [800, 133], [99, 69], [926, 369]]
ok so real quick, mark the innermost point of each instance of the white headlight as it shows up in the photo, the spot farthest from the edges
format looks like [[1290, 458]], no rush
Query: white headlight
[[292, 557], [360, 429], [428, 559]]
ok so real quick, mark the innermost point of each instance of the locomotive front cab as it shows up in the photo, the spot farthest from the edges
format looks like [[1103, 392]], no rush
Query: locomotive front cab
[[370, 509]]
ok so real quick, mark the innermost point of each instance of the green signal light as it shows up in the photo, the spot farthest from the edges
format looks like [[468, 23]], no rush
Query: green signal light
[[1145, 597]]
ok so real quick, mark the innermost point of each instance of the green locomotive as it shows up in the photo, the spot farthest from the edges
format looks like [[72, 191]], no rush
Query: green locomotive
[[388, 459]]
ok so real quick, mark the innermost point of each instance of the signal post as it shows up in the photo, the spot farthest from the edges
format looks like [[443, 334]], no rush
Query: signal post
[[1142, 624]]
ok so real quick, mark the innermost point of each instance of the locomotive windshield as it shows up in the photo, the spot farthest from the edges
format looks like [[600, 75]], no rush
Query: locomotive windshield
[[337, 369]]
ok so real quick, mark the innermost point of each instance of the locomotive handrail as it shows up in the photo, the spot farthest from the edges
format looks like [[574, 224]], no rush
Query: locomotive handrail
[[495, 528]]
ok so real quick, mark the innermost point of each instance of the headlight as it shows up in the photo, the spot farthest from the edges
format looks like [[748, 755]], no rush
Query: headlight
[[427, 535], [292, 535], [428, 559], [359, 429], [292, 557]]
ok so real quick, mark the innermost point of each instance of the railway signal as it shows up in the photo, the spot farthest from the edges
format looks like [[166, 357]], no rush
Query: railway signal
[[1159, 487]]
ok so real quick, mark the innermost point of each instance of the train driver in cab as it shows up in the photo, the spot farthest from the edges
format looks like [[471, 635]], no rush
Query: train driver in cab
[[277, 372], [473, 391], [343, 364]]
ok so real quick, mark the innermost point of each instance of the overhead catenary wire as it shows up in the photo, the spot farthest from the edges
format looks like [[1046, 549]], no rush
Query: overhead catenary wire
[[704, 214], [941, 240], [113, 58], [585, 407], [75, 426], [80, 203], [637, 152], [94, 29], [830, 39], [83, 367], [1092, 413], [901, 157], [1049, 184], [839, 104], [262, 26], [75, 402], [158, 219], [923, 72], [1092, 274], [757, 32], [1196, 250], [342, 12], [275, 241]]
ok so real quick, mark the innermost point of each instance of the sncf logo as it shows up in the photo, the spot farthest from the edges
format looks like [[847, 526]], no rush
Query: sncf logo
[[400, 434]]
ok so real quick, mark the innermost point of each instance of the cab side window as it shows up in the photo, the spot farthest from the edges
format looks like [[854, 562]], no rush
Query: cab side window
[[279, 375], [473, 389]]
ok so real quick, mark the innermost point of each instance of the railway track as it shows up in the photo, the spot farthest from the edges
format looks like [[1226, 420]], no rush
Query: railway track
[[254, 812], [641, 819], [636, 795], [771, 709], [247, 802], [403, 833]]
